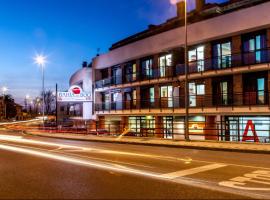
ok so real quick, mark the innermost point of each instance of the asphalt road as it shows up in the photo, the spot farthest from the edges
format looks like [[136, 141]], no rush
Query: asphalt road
[[44, 168]]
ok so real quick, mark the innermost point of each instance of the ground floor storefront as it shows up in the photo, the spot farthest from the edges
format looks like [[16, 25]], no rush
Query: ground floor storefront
[[218, 128]]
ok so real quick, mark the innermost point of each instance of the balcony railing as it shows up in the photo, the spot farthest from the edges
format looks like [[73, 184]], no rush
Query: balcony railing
[[208, 64], [163, 72], [257, 98], [226, 61]]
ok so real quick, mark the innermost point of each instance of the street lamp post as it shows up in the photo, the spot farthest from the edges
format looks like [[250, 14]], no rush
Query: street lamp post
[[186, 76], [40, 60]]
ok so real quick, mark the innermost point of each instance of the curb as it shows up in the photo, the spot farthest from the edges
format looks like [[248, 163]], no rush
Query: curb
[[155, 144]]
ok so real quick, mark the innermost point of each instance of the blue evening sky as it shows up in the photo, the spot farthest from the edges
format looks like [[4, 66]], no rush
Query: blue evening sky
[[69, 32]]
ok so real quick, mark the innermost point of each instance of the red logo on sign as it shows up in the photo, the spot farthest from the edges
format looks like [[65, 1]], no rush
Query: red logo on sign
[[255, 137], [76, 90]]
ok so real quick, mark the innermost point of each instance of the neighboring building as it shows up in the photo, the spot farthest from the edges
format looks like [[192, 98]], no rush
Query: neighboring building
[[19, 112], [79, 110], [140, 81]]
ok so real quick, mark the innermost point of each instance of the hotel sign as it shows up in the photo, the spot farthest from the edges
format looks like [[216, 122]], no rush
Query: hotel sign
[[74, 94]]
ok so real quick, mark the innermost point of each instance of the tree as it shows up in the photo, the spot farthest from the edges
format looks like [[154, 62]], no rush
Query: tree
[[11, 110], [49, 101]]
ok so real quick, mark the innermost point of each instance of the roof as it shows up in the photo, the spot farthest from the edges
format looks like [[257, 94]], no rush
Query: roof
[[208, 11]]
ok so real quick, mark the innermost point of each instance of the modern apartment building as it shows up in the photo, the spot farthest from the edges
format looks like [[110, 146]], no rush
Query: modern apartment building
[[140, 82]]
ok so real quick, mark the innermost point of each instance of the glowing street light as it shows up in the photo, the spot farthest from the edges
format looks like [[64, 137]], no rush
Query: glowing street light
[[41, 60], [4, 90]]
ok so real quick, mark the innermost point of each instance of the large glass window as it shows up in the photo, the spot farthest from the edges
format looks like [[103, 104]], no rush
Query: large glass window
[[222, 55], [117, 75], [254, 47], [131, 72], [166, 96], [261, 90], [164, 62], [195, 92], [196, 59], [147, 68], [107, 101], [168, 127], [152, 95], [224, 92]]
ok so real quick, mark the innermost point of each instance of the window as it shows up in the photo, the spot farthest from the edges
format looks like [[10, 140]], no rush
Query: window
[[147, 66], [166, 96], [134, 97], [196, 59], [195, 90], [152, 95], [164, 62], [254, 46], [131, 72], [201, 89], [261, 90], [222, 55], [224, 92]]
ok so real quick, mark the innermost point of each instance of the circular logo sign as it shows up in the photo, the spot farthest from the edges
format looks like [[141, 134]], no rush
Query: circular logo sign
[[75, 90]]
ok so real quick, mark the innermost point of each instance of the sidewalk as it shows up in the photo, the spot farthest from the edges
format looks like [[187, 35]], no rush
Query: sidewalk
[[201, 145]]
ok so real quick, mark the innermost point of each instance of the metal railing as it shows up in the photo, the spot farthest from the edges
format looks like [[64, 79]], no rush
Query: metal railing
[[214, 63], [227, 61], [231, 130], [164, 72], [256, 98]]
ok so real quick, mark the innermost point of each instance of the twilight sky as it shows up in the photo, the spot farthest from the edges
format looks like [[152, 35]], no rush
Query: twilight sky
[[69, 32]]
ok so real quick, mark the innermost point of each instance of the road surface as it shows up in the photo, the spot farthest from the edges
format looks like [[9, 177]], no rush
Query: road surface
[[38, 168]]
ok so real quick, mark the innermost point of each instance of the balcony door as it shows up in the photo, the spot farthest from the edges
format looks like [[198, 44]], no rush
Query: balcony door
[[131, 72], [117, 75], [165, 62], [196, 59], [222, 91], [254, 48], [147, 68], [166, 94], [255, 88], [222, 55]]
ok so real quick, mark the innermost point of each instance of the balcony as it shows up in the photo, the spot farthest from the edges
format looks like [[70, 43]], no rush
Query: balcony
[[164, 72], [229, 61], [217, 63], [246, 99]]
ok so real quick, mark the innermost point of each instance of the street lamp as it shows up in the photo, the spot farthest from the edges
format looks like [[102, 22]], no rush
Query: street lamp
[[186, 70], [186, 76], [41, 60]]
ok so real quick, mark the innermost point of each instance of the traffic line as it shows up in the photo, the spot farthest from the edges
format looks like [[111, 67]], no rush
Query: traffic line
[[197, 170], [124, 169]]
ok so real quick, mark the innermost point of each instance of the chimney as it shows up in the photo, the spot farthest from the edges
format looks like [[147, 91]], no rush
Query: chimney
[[84, 65], [181, 9], [199, 5]]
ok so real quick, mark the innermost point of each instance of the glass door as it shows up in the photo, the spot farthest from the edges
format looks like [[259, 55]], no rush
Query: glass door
[[166, 96], [152, 97], [222, 55], [261, 90], [224, 93], [168, 127]]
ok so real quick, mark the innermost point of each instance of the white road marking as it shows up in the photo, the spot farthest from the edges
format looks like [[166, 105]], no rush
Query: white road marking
[[113, 167], [197, 170], [260, 178]]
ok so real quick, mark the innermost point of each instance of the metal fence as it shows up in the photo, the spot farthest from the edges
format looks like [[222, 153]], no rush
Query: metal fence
[[253, 98], [198, 66]]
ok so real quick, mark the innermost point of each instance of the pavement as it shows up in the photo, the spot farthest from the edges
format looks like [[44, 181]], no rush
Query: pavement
[[258, 148]]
